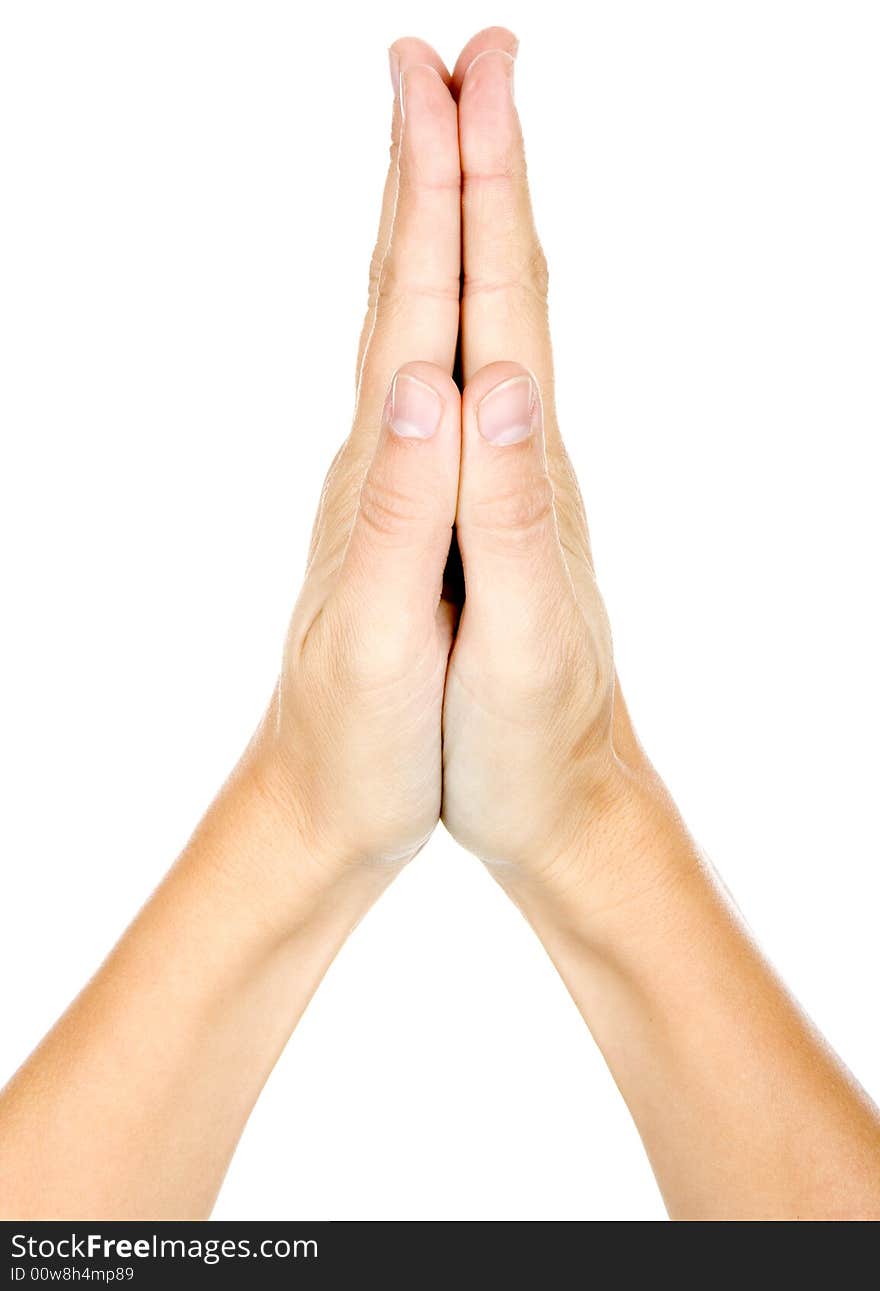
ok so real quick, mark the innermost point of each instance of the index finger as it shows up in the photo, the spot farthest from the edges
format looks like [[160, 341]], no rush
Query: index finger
[[504, 289], [504, 313], [409, 51], [416, 276]]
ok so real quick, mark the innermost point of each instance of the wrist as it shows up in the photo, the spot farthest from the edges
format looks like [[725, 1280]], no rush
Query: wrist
[[258, 855], [624, 872]]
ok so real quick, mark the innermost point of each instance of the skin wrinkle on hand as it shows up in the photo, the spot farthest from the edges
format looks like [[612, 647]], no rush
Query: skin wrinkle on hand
[[393, 704]]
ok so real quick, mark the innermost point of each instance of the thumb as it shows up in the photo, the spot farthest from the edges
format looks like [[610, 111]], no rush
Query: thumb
[[392, 573], [516, 575]]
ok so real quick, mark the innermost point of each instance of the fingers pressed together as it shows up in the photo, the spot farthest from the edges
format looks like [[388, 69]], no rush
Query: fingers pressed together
[[458, 287]]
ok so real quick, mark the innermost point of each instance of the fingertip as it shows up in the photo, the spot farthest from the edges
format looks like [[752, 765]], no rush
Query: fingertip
[[426, 386], [488, 378], [502, 407], [490, 61], [421, 86], [510, 412], [429, 150], [413, 408], [489, 130], [407, 51], [489, 76], [423, 411], [490, 38]]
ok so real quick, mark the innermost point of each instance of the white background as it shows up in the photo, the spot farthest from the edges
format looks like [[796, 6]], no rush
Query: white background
[[189, 196]]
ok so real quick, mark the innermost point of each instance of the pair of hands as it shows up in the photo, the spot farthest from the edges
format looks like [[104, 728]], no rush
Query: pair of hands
[[449, 656], [404, 697]]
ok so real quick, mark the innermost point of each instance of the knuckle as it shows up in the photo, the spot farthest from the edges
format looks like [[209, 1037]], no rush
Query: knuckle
[[538, 272], [396, 283], [385, 510], [349, 656], [387, 662], [570, 670], [501, 184], [515, 274], [339, 497], [390, 286], [381, 650], [377, 260], [517, 513]]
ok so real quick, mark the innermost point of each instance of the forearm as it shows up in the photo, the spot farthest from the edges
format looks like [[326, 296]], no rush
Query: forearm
[[133, 1104], [744, 1110]]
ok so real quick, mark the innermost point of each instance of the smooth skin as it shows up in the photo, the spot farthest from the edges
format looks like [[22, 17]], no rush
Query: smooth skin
[[396, 704]]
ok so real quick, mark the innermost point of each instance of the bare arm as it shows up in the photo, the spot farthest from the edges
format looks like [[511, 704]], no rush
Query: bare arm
[[743, 1108], [133, 1105]]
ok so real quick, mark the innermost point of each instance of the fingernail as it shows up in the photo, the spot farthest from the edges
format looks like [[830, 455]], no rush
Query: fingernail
[[394, 68], [511, 73], [510, 412], [415, 407], [508, 60]]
